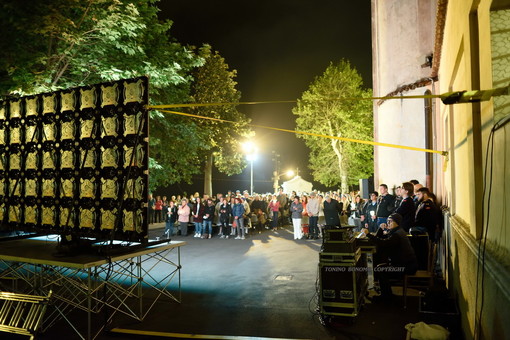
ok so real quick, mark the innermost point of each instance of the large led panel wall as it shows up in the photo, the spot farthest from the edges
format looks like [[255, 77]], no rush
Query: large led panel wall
[[75, 161]]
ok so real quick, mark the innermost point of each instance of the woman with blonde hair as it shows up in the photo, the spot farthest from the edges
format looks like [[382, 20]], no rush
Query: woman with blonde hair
[[183, 212]]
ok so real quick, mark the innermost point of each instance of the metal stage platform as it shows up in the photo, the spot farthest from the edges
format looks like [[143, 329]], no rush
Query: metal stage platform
[[92, 283]]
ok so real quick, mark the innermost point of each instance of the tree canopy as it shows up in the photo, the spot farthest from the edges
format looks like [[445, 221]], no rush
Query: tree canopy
[[58, 44], [214, 82], [334, 162]]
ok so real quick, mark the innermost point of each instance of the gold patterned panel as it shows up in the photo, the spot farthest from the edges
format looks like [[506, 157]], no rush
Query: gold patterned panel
[[48, 162], [140, 154], [131, 124], [2, 136], [49, 104], [31, 107], [2, 187], [15, 162], [89, 157], [31, 161], [110, 95], [15, 135], [86, 128], [31, 187], [15, 109], [109, 188], [67, 188], [108, 219], [109, 157], [86, 218], [49, 132], [67, 130], [2, 162], [127, 156], [48, 187], [48, 216], [30, 133], [14, 189], [14, 213], [109, 126], [138, 159], [2, 112], [133, 92], [134, 189], [30, 215], [68, 101], [66, 217], [130, 220], [87, 188], [2, 209], [67, 159], [88, 98]]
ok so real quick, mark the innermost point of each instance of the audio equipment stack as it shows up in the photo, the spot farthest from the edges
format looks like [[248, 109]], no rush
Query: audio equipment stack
[[342, 274]]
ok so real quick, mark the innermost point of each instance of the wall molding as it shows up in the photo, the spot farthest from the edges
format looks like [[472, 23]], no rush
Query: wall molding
[[498, 272]]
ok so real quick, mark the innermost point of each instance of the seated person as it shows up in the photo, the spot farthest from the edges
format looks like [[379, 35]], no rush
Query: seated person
[[395, 255]]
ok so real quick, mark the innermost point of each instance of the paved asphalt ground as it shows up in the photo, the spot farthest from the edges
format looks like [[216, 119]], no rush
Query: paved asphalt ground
[[261, 287]]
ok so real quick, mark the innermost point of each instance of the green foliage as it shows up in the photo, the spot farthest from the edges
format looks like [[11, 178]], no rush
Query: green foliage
[[214, 83], [50, 45], [335, 162]]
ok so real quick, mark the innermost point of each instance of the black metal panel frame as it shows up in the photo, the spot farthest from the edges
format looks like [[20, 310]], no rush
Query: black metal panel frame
[[75, 162]]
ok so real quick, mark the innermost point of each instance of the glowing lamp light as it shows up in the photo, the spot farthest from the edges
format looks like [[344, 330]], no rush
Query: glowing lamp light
[[249, 147]]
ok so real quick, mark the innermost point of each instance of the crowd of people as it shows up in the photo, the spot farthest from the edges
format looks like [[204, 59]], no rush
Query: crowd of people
[[237, 214], [386, 219], [391, 218]]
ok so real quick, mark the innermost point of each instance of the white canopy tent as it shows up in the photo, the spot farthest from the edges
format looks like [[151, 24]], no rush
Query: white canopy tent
[[298, 185]]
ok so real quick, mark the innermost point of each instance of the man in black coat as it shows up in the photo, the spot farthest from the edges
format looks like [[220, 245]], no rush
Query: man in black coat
[[406, 207], [427, 215], [332, 211], [394, 248], [385, 204]]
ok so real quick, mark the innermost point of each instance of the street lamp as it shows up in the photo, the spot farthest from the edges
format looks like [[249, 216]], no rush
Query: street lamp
[[277, 176], [250, 149]]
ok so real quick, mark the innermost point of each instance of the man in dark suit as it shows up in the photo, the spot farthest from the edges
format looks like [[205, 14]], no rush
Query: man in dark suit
[[385, 204], [427, 216], [406, 207]]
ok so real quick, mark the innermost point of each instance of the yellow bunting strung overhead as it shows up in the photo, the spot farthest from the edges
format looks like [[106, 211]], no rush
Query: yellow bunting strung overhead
[[456, 97], [443, 153]]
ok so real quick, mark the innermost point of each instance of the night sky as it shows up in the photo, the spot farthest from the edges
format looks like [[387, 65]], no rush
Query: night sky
[[277, 47]]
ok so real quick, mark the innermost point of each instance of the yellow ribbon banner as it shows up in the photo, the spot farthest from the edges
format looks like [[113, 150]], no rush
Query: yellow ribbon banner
[[443, 153], [448, 98]]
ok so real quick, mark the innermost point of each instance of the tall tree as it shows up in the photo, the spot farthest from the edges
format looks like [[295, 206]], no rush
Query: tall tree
[[50, 45], [334, 162], [214, 82]]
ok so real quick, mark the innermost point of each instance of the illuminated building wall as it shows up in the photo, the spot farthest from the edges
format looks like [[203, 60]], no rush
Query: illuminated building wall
[[471, 52]]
